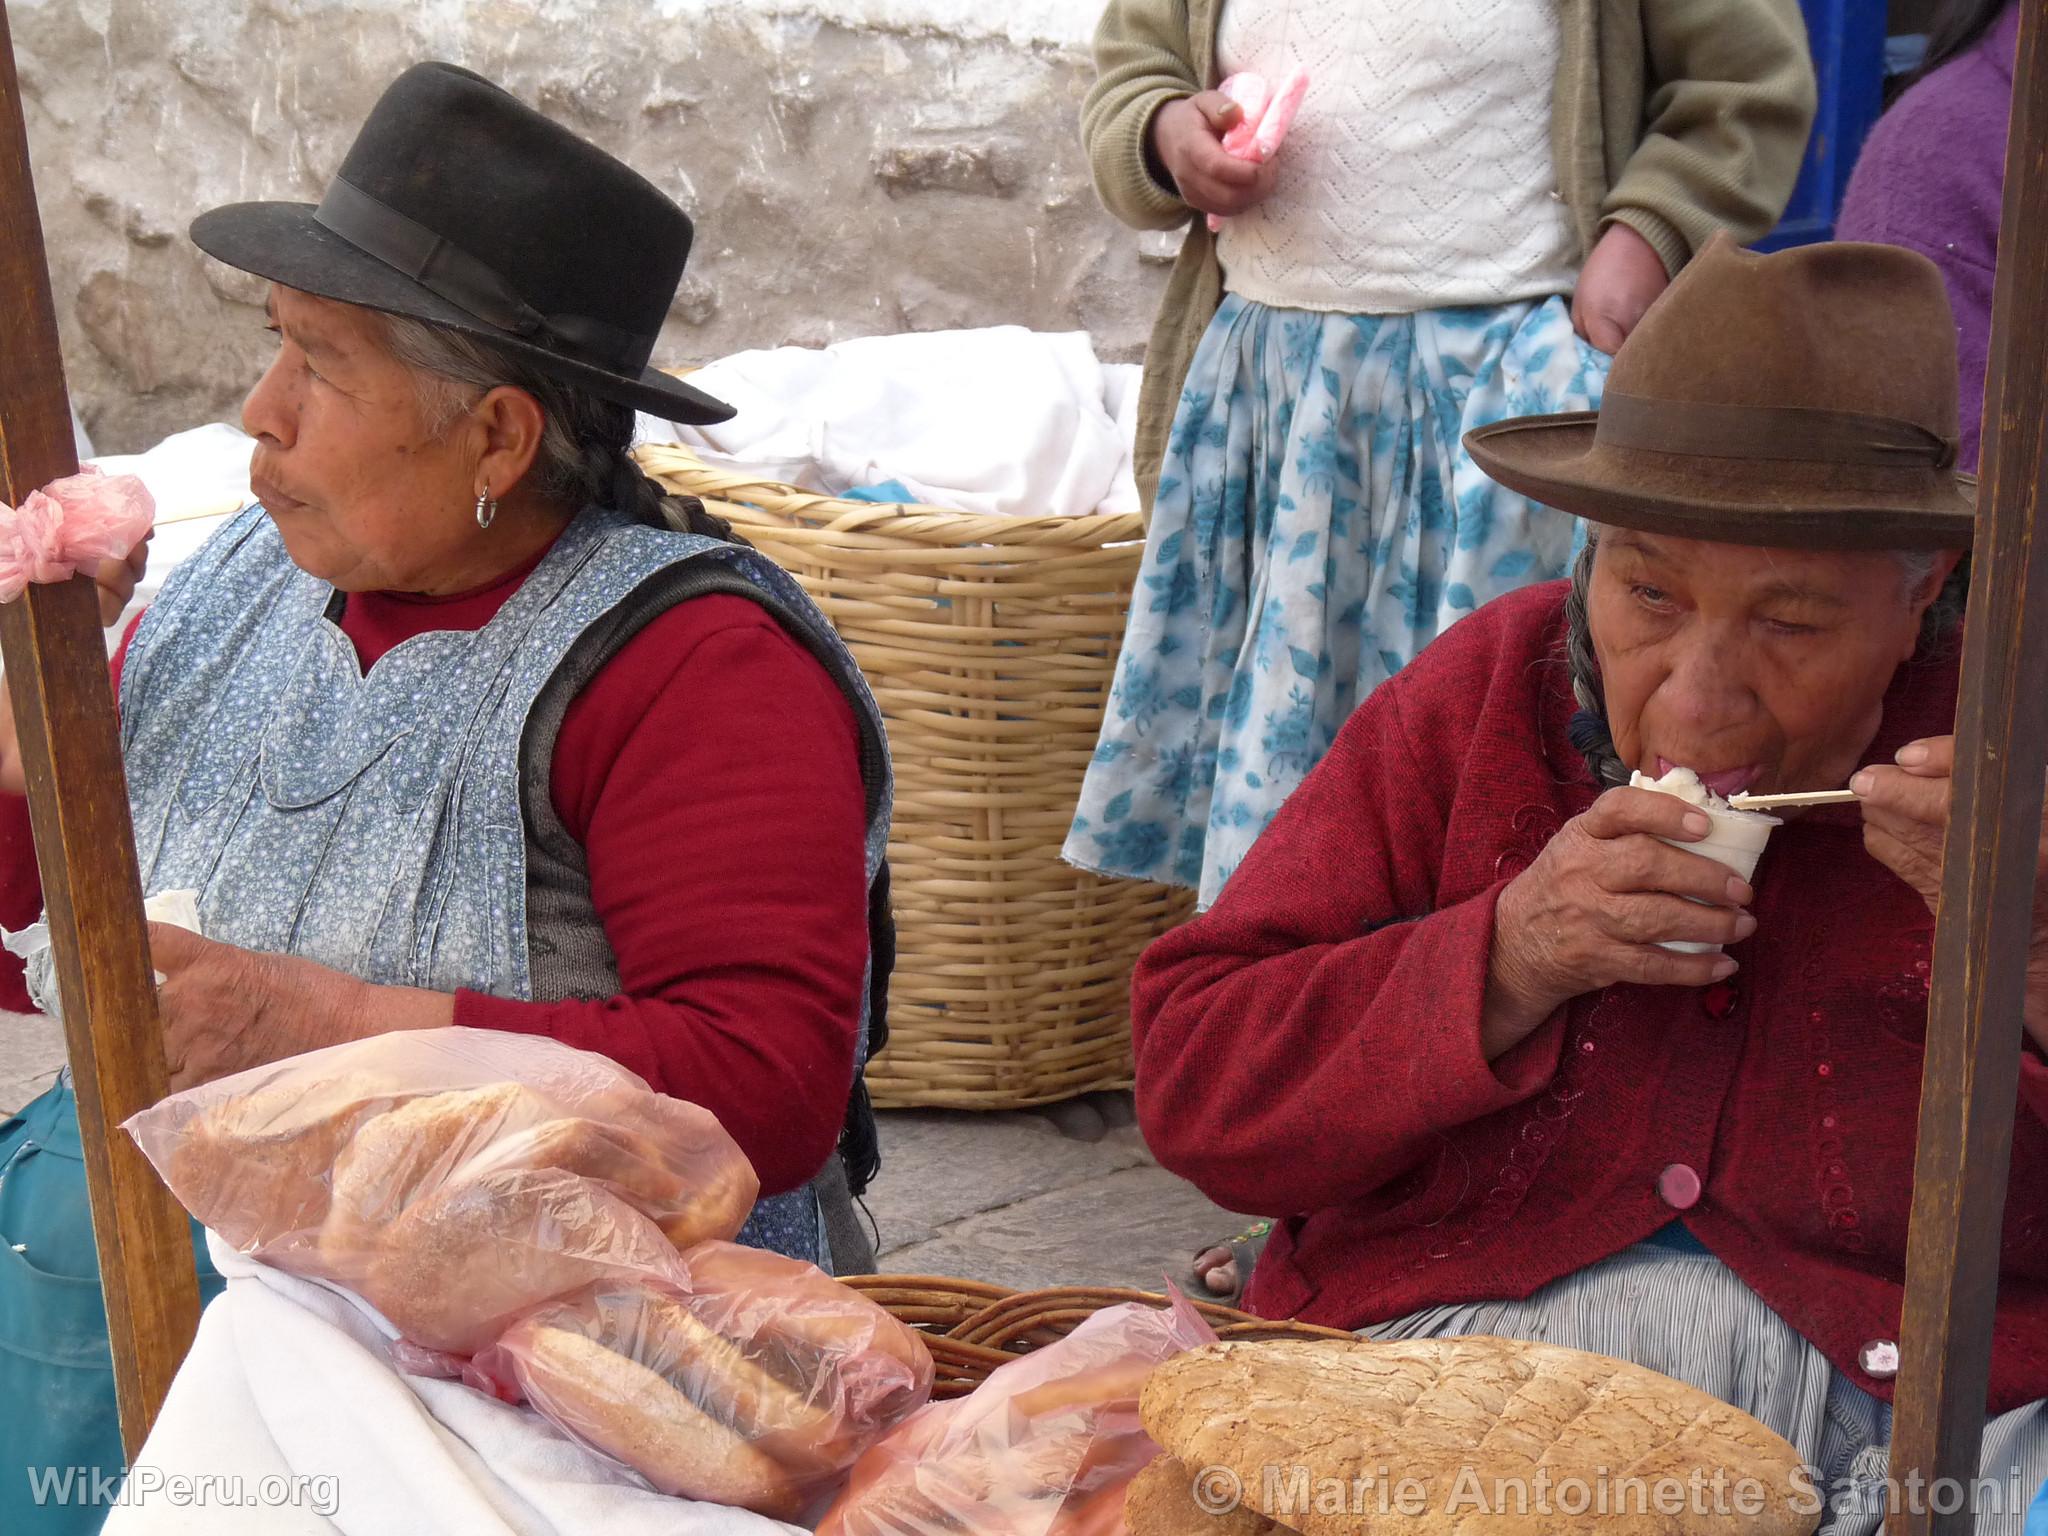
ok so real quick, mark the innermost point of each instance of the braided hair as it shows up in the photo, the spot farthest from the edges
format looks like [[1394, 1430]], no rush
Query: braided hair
[[585, 455], [1589, 730]]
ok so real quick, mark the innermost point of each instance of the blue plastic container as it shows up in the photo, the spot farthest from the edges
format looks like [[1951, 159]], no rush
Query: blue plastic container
[[1848, 40]]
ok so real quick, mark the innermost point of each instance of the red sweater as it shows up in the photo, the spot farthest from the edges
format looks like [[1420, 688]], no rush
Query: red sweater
[[1309, 1048], [711, 772]]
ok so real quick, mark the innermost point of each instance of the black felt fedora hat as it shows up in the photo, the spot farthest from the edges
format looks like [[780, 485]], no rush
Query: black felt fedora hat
[[460, 205]]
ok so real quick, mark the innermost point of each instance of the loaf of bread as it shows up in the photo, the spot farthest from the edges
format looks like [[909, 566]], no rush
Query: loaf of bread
[[255, 1166], [687, 1176], [460, 1264], [759, 1387], [1161, 1502], [1045, 1447], [1501, 1436]]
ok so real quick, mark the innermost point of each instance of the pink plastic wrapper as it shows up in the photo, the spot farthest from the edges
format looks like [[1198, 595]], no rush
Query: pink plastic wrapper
[[757, 1383], [453, 1178], [77, 521], [1045, 1447], [1268, 114]]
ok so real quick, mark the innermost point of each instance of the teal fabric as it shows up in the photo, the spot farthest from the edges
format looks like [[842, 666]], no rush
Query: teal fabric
[[1677, 1235], [56, 1376], [2037, 1517]]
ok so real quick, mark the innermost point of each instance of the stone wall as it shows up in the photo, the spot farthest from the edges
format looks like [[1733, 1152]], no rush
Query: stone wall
[[856, 167]]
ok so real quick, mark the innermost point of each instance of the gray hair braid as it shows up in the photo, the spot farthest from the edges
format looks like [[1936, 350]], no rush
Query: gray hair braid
[[585, 455], [1590, 733]]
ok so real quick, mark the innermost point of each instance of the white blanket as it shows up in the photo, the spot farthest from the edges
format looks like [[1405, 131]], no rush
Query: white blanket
[[287, 1420], [1004, 420]]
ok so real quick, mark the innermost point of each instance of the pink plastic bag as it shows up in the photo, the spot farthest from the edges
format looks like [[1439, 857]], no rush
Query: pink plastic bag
[[1268, 114], [77, 521], [758, 1383], [453, 1178], [1044, 1447]]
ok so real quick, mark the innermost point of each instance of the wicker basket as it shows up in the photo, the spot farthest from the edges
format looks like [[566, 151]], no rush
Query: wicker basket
[[971, 1328], [990, 644]]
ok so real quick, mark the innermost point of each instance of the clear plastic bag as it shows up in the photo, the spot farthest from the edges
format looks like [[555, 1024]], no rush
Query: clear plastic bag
[[453, 1178], [759, 1382], [1044, 1447]]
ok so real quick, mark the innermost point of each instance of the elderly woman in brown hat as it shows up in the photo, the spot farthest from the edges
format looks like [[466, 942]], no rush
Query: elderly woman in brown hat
[[466, 723], [1497, 1046]]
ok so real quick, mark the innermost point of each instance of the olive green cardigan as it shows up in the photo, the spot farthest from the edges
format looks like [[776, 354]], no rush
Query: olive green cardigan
[[1674, 117]]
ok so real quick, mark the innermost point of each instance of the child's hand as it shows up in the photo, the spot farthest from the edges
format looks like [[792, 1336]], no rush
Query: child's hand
[[1622, 278], [1187, 138]]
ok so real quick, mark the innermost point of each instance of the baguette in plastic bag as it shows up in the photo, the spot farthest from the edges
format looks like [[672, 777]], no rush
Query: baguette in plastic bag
[[451, 1177], [759, 1383], [1045, 1447]]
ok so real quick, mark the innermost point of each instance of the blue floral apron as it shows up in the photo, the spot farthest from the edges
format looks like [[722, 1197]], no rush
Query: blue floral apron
[[56, 1375]]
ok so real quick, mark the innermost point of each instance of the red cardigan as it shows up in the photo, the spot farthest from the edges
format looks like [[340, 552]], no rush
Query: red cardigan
[[711, 772], [1309, 1049]]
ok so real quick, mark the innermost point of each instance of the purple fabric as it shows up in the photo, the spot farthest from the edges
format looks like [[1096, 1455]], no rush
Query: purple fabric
[[1931, 178]]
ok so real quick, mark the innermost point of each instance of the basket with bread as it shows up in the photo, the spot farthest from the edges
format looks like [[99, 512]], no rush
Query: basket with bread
[[534, 1220]]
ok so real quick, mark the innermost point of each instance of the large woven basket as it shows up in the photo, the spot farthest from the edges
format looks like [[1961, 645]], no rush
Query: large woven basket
[[971, 1327], [990, 644]]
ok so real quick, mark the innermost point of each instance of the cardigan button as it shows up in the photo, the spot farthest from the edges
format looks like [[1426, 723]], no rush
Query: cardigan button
[[1879, 1359], [1720, 1000], [1678, 1186]]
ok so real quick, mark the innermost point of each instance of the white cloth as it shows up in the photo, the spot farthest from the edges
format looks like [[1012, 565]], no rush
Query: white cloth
[[288, 1408], [1419, 173], [1001, 421]]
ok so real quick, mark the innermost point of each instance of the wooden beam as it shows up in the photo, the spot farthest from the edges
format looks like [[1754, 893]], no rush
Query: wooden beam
[[1970, 1081], [78, 802]]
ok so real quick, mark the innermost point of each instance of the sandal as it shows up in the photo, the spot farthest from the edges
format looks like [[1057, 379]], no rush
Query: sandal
[[1244, 1250]]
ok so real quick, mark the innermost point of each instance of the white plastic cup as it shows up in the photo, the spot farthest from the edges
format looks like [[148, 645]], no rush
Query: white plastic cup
[[1737, 841]]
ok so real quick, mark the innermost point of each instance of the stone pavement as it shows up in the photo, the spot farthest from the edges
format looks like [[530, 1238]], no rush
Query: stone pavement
[[1011, 1198]]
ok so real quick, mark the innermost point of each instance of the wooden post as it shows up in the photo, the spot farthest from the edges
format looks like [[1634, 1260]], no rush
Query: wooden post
[[78, 802], [1970, 1081]]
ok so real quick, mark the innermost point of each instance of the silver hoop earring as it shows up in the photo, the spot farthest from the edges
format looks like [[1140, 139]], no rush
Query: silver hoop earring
[[486, 509]]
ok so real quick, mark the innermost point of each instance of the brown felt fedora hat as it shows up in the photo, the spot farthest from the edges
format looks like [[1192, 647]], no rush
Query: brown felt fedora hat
[[1803, 399]]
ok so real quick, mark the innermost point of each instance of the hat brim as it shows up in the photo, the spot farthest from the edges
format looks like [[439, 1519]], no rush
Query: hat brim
[[1556, 460], [282, 242]]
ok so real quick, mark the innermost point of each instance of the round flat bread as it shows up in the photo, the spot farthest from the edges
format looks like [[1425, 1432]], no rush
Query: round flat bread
[[1473, 1437], [1162, 1501]]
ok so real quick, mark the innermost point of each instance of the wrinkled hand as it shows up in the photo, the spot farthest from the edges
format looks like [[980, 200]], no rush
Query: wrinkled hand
[[1593, 907], [116, 579], [1905, 827], [1187, 138], [1905, 813], [1621, 279], [225, 1009]]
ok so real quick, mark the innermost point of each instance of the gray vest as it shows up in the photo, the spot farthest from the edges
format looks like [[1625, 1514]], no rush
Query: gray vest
[[398, 825]]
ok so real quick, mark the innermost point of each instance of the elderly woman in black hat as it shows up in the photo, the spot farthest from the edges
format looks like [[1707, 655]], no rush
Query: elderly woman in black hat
[[1482, 1028], [467, 723]]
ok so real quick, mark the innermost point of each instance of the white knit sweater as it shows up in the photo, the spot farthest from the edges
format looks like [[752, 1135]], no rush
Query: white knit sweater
[[1419, 172]]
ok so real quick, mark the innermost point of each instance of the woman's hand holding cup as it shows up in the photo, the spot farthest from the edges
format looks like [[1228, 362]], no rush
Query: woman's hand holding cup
[[1595, 906]]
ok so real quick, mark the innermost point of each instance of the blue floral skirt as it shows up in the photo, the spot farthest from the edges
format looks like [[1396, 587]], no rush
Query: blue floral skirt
[[1317, 523]]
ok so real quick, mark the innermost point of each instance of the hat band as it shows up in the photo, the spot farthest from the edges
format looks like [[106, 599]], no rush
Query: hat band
[[1782, 432], [443, 268]]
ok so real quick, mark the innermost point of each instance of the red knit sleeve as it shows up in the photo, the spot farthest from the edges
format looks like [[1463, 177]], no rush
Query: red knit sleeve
[[21, 882], [711, 773], [1306, 1040]]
